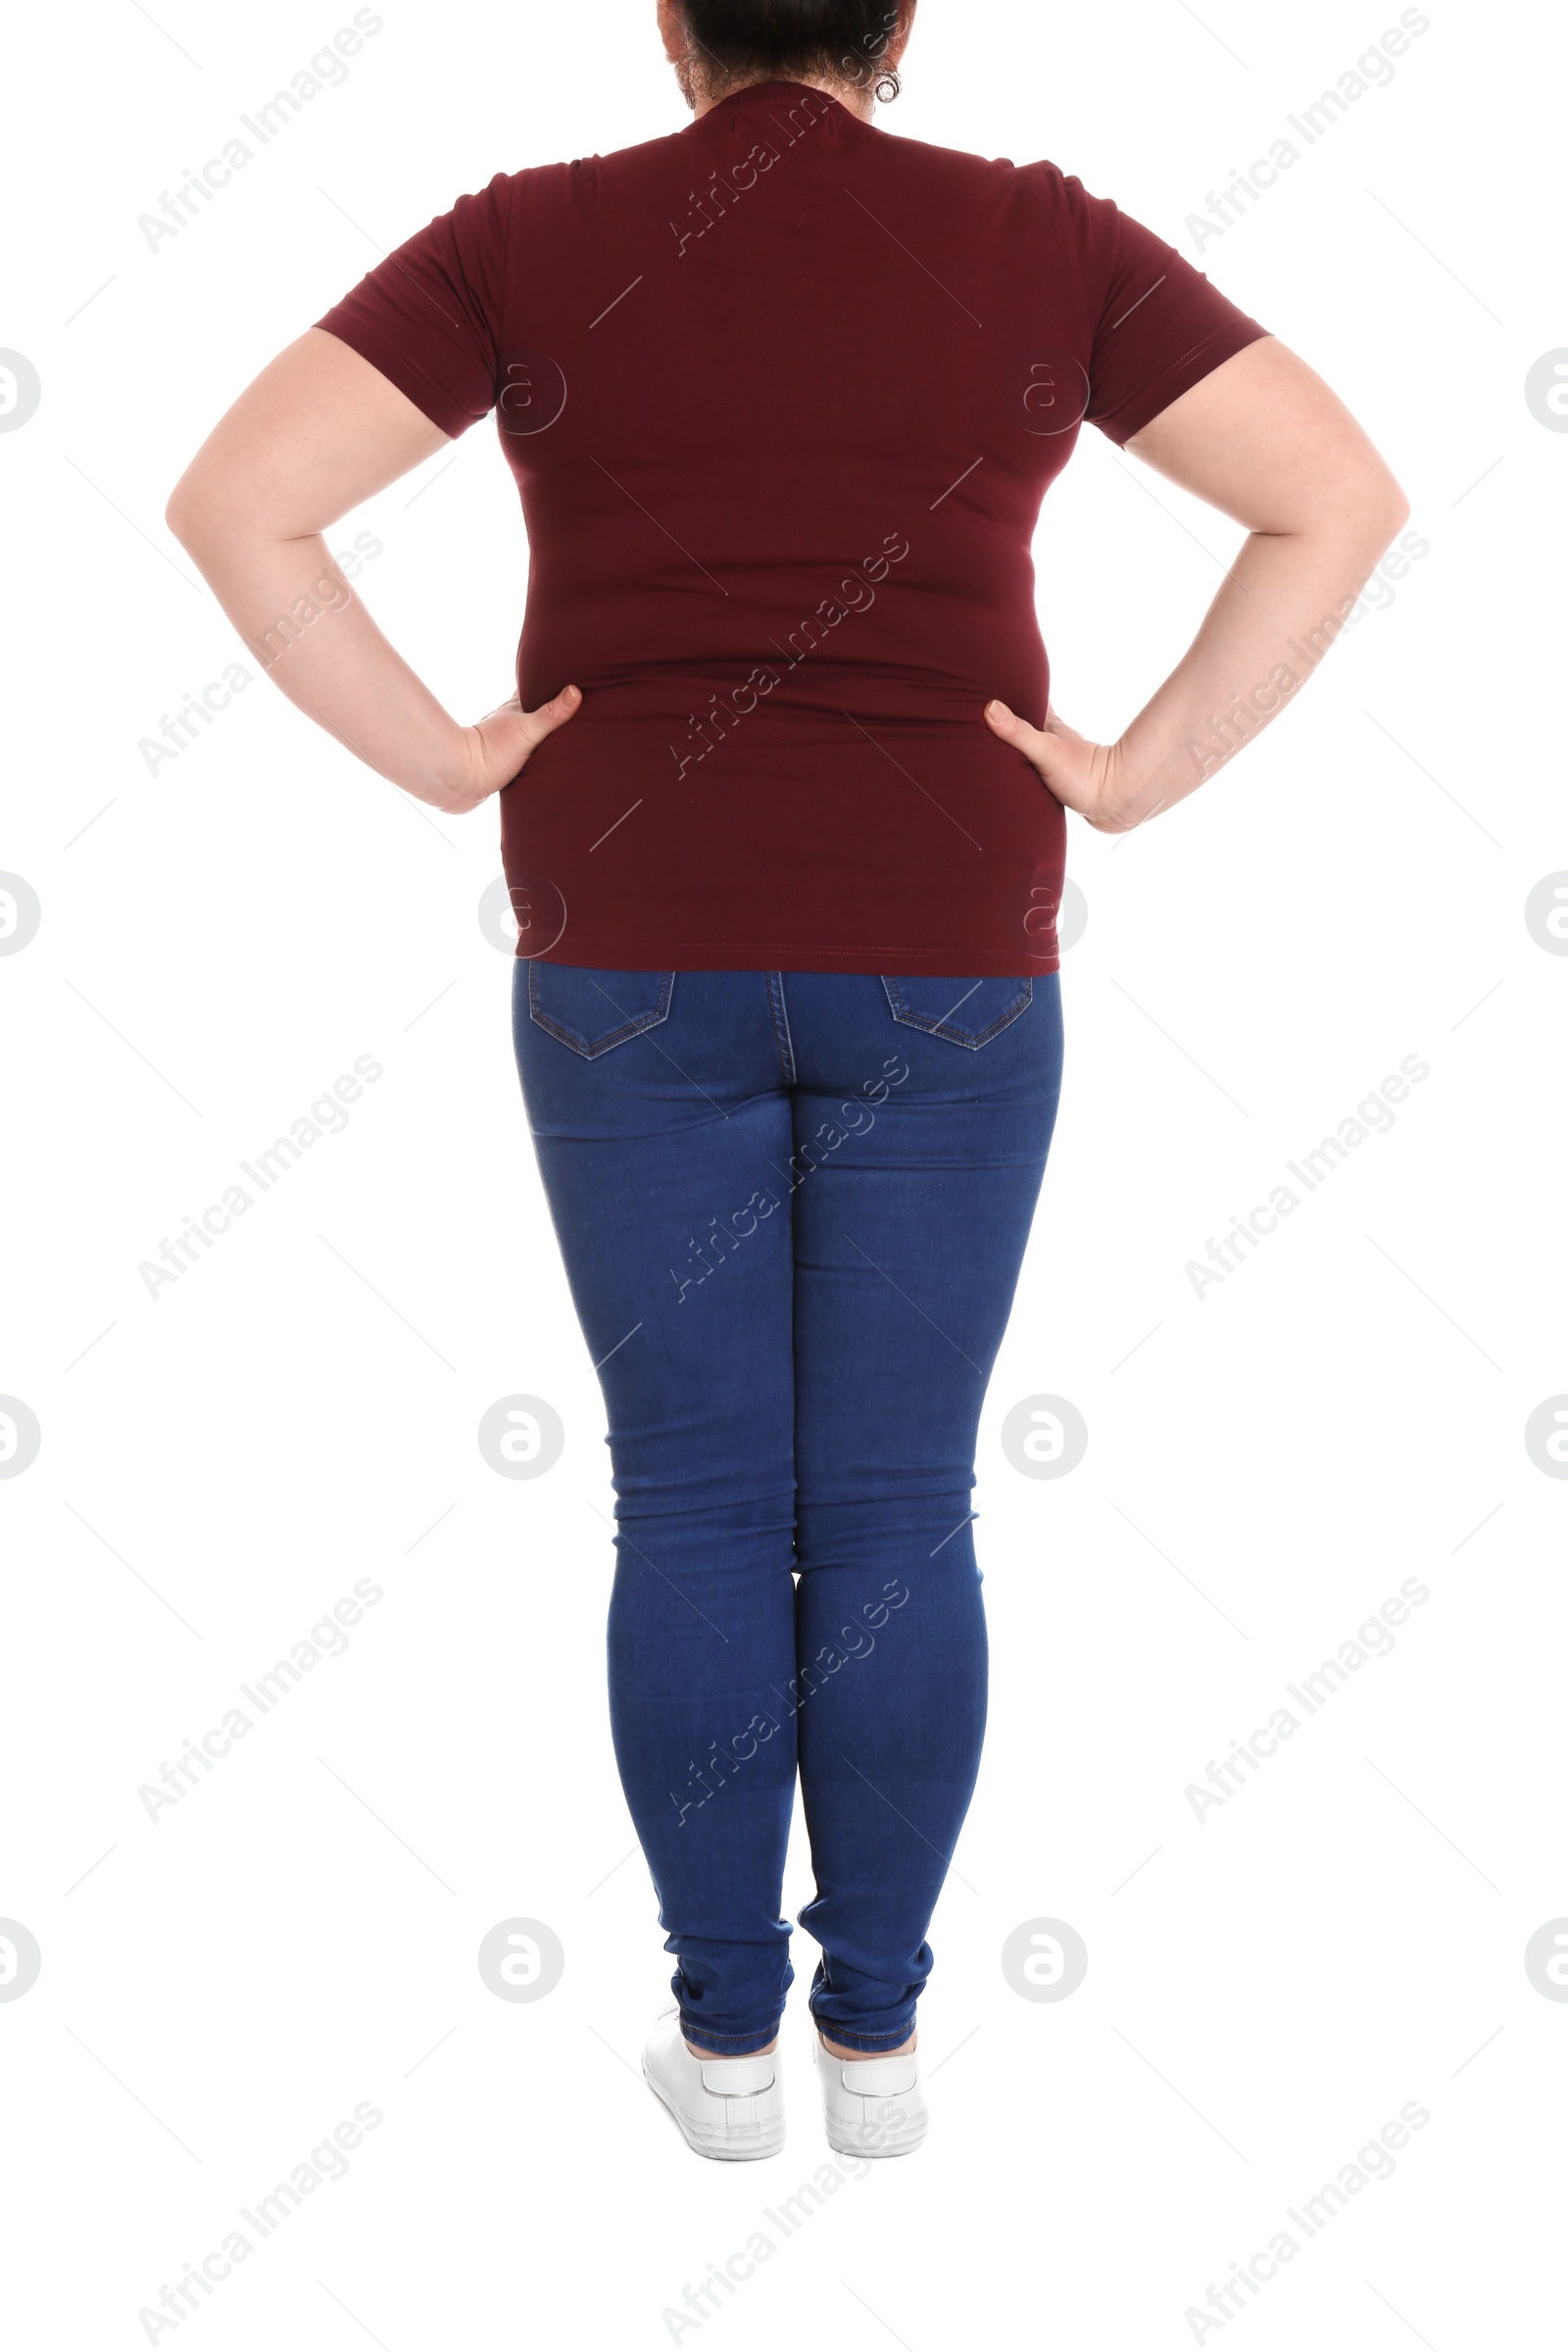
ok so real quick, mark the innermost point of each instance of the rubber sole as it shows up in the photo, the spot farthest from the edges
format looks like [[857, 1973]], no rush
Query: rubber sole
[[876, 2144], [748, 2146]]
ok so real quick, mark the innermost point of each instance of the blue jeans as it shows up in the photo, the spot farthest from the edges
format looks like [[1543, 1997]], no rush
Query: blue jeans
[[793, 1207]]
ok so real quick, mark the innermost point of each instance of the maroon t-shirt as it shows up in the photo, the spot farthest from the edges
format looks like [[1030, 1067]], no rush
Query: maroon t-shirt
[[782, 394]]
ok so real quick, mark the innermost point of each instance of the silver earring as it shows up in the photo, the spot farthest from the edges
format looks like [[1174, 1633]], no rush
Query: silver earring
[[888, 88]]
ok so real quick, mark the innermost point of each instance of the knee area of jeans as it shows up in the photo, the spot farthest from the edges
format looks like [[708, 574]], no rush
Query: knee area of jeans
[[723, 1505], [728, 1550], [874, 1497], [878, 1538]]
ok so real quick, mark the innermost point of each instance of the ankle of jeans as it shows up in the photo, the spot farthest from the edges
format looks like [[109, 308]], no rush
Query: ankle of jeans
[[872, 2045], [728, 2046]]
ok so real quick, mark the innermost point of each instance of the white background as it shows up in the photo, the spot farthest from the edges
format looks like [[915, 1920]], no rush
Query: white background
[[219, 1465]]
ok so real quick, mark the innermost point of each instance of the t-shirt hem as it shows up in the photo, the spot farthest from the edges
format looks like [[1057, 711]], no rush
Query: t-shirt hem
[[751, 955], [1120, 424], [396, 365]]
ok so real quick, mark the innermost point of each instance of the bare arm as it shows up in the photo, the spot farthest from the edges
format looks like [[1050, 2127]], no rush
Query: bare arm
[[317, 433], [1263, 439]]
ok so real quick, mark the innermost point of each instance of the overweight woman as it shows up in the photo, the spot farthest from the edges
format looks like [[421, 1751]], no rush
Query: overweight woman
[[782, 803]]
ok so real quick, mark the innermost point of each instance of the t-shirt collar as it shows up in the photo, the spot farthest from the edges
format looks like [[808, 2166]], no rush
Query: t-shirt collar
[[774, 90]]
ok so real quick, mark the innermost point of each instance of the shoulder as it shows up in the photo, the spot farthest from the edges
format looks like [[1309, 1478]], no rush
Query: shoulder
[[1041, 179], [587, 175], [1037, 191]]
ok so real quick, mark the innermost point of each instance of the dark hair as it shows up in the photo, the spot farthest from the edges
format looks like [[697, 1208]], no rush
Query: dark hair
[[844, 40]]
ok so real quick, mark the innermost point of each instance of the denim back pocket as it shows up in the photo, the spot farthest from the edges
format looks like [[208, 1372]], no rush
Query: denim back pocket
[[966, 1012], [593, 1012]]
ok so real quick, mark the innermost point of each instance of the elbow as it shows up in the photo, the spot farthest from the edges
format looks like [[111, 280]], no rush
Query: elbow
[[1362, 514], [213, 513], [202, 509], [1378, 505], [1394, 511], [181, 514]]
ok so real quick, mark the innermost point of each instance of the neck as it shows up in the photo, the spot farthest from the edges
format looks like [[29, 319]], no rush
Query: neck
[[862, 102]]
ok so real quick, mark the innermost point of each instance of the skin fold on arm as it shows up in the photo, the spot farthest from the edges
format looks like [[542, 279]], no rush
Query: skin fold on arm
[[1265, 441]]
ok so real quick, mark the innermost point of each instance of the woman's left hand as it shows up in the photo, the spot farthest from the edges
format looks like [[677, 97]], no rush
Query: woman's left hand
[[1083, 777], [498, 748]]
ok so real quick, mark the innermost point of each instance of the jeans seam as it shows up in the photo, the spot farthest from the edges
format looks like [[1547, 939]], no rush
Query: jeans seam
[[854, 2032], [696, 2032], [781, 1026]]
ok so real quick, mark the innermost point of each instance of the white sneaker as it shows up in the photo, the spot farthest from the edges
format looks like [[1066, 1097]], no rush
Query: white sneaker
[[871, 2106], [728, 2108]]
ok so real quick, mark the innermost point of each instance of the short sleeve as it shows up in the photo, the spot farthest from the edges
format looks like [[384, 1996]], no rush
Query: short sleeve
[[1158, 326], [429, 316]]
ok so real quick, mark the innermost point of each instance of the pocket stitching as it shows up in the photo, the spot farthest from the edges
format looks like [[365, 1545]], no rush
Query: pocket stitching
[[635, 1027], [904, 1013]]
